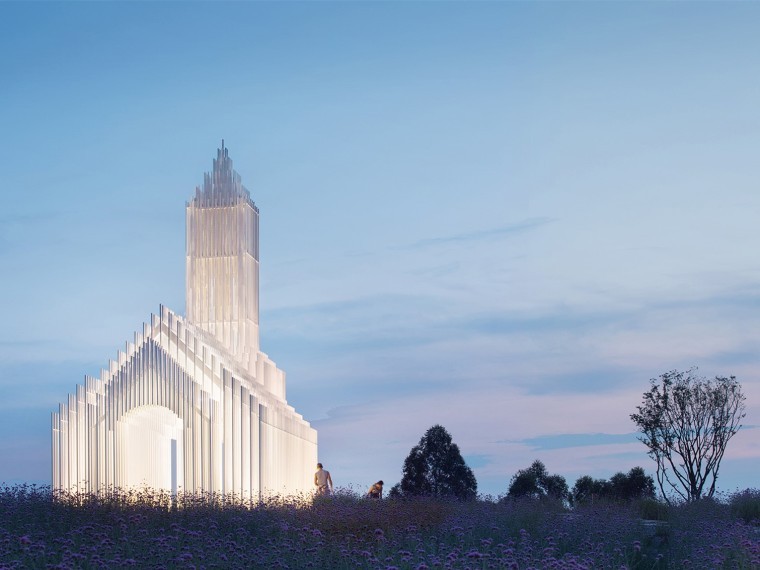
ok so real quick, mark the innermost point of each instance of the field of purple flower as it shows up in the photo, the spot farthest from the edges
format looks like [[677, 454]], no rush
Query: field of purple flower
[[147, 530]]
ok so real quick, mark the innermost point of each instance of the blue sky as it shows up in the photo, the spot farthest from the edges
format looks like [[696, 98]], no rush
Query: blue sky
[[500, 217]]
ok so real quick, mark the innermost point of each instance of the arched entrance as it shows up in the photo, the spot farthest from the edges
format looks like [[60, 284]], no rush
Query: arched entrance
[[150, 444]]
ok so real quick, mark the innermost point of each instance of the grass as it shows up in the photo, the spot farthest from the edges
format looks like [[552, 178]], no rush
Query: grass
[[149, 530], [746, 505]]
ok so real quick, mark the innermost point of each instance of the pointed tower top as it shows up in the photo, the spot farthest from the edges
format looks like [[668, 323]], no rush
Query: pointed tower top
[[222, 186]]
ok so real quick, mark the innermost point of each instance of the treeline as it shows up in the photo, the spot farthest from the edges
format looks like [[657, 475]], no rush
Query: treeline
[[535, 482], [435, 467], [685, 421]]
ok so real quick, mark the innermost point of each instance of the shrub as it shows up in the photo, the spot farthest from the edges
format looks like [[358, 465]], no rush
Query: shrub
[[653, 510], [746, 505]]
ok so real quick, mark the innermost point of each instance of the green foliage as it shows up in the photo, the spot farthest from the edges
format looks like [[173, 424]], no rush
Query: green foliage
[[653, 510], [621, 487], [686, 421], [587, 490], [746, 505], [435, 468], [536, 483], [634, 485]]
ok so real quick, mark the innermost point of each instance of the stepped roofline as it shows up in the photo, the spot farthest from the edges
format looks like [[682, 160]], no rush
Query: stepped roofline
[[222, 186]]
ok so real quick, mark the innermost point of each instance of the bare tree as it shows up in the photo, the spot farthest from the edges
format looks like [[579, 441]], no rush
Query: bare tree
[[686, 422]]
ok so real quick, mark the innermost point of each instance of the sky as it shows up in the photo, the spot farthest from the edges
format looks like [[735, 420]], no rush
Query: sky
[[501, 217]]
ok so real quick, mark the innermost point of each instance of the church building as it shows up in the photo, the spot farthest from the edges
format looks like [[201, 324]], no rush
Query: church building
[[191, 403]]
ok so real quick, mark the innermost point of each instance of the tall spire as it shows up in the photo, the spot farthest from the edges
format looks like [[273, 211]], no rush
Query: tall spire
[[222, 245], [222, 186]]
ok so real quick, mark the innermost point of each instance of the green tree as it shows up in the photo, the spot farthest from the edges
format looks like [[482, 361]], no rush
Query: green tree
[[535, 482], [587, 489], [435, 467], [621, 487], [634, 485], [686, 421]]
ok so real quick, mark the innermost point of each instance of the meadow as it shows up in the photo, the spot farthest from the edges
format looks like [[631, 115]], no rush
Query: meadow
[[346, 531]]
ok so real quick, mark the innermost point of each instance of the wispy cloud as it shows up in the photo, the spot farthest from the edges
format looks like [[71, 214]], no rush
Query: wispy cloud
[[509, 229], [576, 440], [477, 461], [416, 344], [374, 313]]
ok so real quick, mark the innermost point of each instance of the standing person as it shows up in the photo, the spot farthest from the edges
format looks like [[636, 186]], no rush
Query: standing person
[[323, 481], [376, 491]]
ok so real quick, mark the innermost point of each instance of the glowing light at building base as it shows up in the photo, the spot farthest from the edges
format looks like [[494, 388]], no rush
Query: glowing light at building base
[[193, 404]]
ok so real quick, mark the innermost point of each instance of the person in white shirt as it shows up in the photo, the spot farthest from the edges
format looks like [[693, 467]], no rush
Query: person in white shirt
[[323, 481]]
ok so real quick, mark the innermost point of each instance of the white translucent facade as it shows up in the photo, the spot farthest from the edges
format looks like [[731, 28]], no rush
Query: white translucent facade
[[193, 404]]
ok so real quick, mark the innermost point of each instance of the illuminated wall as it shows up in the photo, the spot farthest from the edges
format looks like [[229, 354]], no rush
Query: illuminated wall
[[193, 404]]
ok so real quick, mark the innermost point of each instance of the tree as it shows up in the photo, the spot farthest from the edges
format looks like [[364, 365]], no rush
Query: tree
[[686, 421], [536, 483], [587, 489], [435, 467], [634, 485], [621, 487]]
